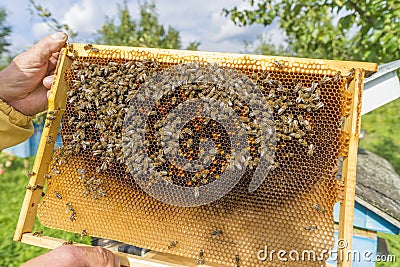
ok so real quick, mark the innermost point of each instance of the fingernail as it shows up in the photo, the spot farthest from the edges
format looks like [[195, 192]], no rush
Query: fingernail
[[59, 36]]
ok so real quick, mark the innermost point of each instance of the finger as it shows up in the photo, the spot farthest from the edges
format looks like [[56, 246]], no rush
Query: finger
[[47, 81], [52, 62], [44, 49]]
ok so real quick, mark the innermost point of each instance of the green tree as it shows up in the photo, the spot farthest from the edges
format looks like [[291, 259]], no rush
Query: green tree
[[336, 29], [144, 32], [5, 31]]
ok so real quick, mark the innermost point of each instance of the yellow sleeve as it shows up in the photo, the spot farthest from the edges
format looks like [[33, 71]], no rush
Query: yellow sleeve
[[15, 127]]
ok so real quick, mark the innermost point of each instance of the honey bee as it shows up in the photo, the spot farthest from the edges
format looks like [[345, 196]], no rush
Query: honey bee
[[72, 218], [57, 195], [215, 233], [318, 208], [318, 105], [200, 260], [349, 75], [278, 64], [51, 117], [173, 244], [312, 227], [196, 192], [38, 233], [237, 261], [302, 142], [31, 173], [90, 48], [337, 76], [84, 233], [325, 79], [311, 149]]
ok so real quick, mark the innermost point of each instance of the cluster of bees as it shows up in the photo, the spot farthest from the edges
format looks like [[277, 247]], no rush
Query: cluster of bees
[[98, 96], [293, 105], [220, 90]]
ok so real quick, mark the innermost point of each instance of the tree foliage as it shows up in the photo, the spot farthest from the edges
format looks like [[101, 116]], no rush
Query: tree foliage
[[50, 20], [5, 31], [145, 32], [337, 29], [125, 30]]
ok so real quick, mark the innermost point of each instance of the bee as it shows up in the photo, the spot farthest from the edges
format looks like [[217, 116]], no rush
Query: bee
[[173, 244], [282, 108], [196, 192], [91, 48], [325, 79], [312, 227], [57, 195], [278, 64], [38, 233], [311, 148], [84, 233], [215, 233], [70, 47], [187, 131], [200, 260], [318, 208], [237, 261], [47, 176], [349, 75], [318, 105], [31, 173], [337, 76], [69, 242], [52, 117], [302, 142], [49, 140], [82, 171], [72, 218], [69, 205], [52, 112]]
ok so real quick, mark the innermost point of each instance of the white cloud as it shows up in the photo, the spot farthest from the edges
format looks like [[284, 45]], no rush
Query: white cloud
[[195, 20], [85, 16], [40, 29]]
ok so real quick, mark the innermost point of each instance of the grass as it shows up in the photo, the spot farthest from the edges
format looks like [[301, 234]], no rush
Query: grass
[[382, 127], [394, 247], [12, 191]]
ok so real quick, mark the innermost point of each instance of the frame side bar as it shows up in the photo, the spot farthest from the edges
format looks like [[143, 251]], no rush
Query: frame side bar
[[45, 150], [352, 125]]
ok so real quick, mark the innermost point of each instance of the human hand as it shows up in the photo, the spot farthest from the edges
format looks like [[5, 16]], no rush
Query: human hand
[[75, 256], [25, 82]]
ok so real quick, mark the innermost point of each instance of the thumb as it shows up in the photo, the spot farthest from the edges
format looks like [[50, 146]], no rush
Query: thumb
[[50, 44]]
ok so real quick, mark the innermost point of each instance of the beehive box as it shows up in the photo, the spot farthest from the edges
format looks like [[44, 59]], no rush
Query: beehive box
[[211, 158]]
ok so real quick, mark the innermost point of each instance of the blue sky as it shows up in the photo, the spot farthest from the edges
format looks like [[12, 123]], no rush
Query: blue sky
[[200, 20]]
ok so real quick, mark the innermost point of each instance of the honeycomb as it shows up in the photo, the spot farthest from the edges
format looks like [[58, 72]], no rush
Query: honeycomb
[[211, 158]]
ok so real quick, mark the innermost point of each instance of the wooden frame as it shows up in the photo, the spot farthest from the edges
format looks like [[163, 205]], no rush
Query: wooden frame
[[349, 167], [33, 193]]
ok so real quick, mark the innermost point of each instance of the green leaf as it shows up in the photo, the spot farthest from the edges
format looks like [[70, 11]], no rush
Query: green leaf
[[347, 21]]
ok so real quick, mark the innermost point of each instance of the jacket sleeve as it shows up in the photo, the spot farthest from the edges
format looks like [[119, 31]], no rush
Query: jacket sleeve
[[15, 127]]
